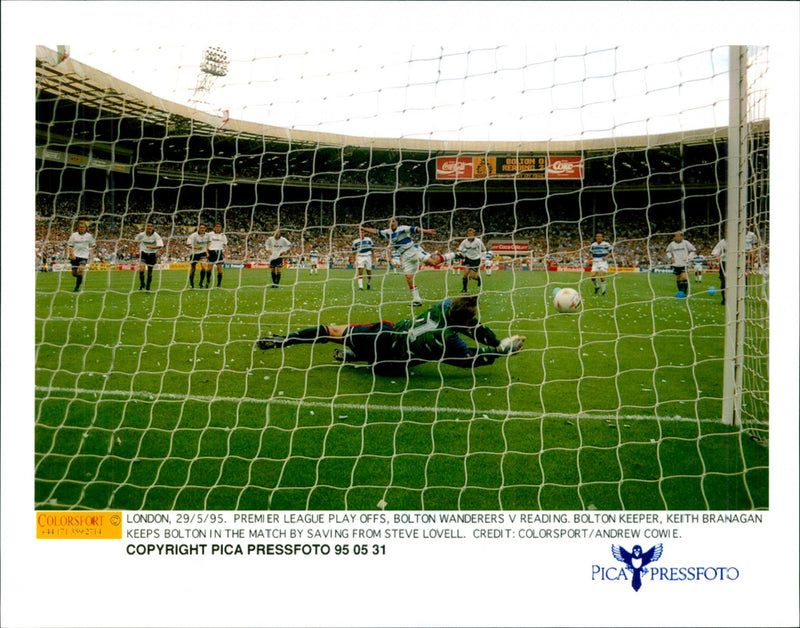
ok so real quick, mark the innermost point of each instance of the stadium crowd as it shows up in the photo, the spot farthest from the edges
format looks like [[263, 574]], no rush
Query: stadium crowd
[[560, 241]]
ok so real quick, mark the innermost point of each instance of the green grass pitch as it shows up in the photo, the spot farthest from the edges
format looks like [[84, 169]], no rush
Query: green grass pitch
[[161, 401]]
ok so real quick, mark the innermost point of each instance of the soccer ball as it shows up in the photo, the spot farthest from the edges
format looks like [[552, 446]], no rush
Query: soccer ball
[[567, 300]]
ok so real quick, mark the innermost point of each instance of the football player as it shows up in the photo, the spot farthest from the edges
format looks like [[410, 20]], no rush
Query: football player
[[433, 336]]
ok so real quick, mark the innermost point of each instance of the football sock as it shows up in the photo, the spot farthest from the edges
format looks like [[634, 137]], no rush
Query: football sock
[[149, 278], [78, 281], [141, 279], [219, 279], [464, 284]]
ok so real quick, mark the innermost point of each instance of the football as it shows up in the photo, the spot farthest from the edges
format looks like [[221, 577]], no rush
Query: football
[[567, 300]]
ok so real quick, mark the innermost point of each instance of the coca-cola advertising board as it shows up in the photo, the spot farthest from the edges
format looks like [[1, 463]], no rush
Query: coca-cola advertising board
[[506, 167], [565, 167], [454, 168], [509, 246]]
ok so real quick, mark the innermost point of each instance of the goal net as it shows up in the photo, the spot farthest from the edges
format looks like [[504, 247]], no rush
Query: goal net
[[748, 226], [574, 171]]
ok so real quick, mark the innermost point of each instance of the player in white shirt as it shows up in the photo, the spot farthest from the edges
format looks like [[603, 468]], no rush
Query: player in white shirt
[[750, 241], [198, 254], [751, 253], [599, 251], [411, 254], [149, 245], [473, 250], [313, 260], [720, 252], [276, 246], [455, 266], [217, 252], [698, 261], [80, 246], [679, 254], [363, 248]]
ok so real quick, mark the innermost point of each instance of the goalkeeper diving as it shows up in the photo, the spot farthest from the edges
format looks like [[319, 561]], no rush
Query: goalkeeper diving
[[435, 335]]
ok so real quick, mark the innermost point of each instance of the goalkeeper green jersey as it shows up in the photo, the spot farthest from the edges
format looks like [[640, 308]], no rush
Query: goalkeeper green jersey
[[429, 338]]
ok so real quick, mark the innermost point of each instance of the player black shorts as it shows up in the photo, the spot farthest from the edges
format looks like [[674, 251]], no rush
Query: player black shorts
[[678, 270], [148, 259], [369, 341], [78, 261], [276, 263], [198, 257], [214, 257], [472, 264]]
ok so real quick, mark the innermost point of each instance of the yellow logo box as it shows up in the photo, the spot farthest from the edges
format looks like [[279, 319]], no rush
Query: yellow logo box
[[52, 524]]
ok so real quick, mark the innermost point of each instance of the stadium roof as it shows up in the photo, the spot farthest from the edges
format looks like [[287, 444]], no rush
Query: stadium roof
[[76, 81]]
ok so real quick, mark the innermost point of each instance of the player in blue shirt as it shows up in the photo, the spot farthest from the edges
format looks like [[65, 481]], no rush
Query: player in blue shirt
[[411, 254], [600, 250], [488, 264], [698, 261], [313, 257], [363, 248]]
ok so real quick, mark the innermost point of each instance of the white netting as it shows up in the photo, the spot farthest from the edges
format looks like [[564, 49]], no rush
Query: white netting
[[163, 400], [755, 404]]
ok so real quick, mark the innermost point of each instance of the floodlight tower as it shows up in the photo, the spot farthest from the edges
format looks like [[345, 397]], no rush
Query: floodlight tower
[[215, 64]]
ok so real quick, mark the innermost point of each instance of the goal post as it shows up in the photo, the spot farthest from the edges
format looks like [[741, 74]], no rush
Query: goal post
[[734, 235], [747, 213]]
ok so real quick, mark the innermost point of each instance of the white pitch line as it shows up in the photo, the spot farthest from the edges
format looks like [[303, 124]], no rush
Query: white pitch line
[[529, 330], [356, 406]]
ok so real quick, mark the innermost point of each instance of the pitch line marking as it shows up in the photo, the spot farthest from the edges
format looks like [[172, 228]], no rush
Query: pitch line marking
[[356, 406]]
